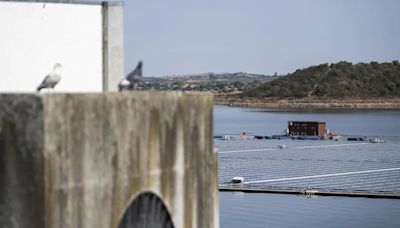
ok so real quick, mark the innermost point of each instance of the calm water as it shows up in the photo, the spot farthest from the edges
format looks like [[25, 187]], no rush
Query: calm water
[[273, 121], [276, 210], [307, 158]]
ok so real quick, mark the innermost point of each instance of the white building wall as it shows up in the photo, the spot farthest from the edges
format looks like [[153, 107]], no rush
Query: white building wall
[[34, 36]]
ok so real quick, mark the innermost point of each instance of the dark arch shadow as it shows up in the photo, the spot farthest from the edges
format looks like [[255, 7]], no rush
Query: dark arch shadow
[[147, 210]]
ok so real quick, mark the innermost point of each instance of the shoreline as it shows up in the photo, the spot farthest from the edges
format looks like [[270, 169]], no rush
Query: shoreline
[[373, 103]]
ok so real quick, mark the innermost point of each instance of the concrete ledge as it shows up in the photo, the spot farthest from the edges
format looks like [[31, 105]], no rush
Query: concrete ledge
[[79, 160]]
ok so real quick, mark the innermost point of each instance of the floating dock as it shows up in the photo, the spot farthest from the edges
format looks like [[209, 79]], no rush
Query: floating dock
[[302, 192]]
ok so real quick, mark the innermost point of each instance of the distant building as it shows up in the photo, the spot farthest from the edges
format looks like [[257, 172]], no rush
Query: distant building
[[309, 128]]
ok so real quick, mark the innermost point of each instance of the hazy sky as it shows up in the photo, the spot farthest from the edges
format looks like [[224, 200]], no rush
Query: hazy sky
[[257, 36]]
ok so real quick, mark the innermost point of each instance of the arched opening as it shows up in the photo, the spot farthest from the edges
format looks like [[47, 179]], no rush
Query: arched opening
[[147, 210]]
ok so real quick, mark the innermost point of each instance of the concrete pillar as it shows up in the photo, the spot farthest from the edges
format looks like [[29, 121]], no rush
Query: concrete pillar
[[113, 44], [80, 160]]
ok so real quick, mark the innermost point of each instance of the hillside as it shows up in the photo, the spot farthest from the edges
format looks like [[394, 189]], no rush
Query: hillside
[[214, 82], [340, 80]]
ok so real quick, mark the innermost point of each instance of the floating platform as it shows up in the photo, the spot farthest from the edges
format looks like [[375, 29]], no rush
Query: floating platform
[[356, 139], [316, 193], [279, 137]]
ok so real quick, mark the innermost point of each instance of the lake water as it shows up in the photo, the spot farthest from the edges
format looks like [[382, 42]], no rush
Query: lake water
[[228, 120], [324, 165], [275, 210]]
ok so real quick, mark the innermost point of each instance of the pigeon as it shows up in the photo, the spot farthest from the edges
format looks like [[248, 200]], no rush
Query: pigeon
[[51, 79], [131, 81]]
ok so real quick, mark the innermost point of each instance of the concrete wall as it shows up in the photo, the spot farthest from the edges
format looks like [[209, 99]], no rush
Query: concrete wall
[[86, 38], [34, 36], [113, 46], [80, 160]]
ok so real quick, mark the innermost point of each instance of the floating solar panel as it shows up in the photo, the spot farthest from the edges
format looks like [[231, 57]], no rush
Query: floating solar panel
[[332, 166]]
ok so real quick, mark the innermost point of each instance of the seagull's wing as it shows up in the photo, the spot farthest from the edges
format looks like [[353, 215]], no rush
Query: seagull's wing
[[44, 83]]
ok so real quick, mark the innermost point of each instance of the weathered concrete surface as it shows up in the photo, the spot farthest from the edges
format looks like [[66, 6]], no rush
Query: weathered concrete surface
[[79, 160], [113, 45]]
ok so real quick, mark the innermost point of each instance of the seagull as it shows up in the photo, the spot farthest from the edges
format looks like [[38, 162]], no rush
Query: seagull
[[131, 80], [52, 78]]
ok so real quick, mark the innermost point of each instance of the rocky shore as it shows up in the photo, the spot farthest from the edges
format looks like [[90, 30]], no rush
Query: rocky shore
[[358, 103]]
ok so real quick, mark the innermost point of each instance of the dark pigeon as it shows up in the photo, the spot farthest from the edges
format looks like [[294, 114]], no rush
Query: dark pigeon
[[131, 81]]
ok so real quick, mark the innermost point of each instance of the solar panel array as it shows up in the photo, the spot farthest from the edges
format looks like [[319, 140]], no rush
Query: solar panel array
[[344, 166]]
